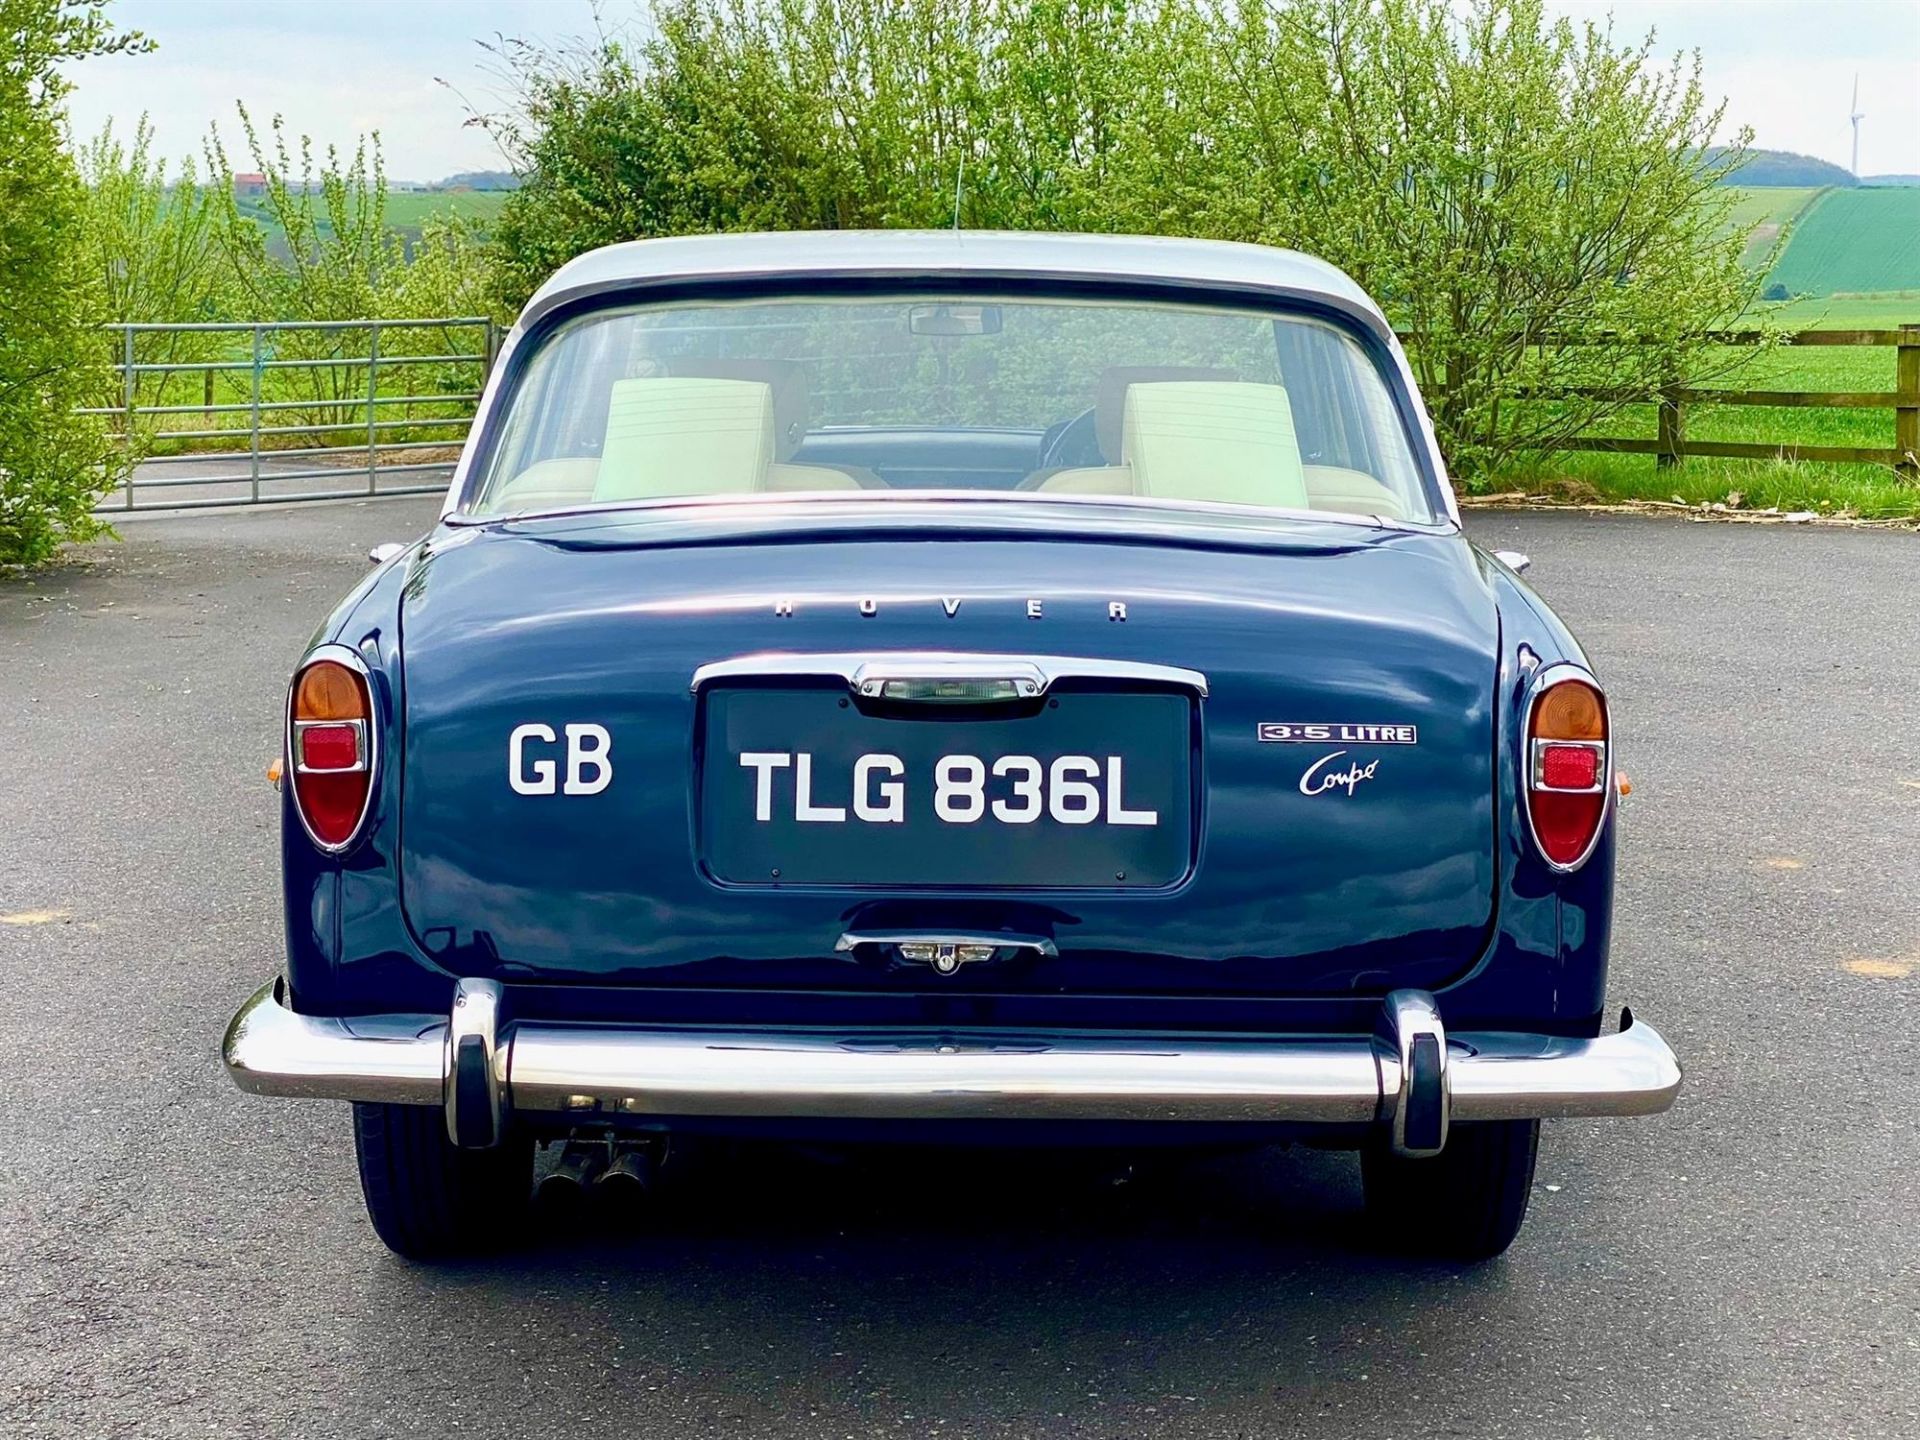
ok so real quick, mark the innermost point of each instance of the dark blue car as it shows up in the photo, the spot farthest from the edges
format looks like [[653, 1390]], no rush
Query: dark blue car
[[957, 688]]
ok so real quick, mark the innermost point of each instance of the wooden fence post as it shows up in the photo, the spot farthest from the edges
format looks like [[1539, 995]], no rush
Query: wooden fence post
[[1906, 416], [1673, 428]]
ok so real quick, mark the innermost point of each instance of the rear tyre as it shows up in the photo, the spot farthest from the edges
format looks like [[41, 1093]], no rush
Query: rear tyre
[[429, 1199], [1466, 1203]]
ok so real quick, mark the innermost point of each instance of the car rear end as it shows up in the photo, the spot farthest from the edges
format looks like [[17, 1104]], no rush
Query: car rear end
[[1092, 725]]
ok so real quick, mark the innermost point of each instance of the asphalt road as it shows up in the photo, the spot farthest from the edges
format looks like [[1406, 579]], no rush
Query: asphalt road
[[179, 1259]]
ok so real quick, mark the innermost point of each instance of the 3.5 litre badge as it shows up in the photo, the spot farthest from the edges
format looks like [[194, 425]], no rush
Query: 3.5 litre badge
[[1296, 733]]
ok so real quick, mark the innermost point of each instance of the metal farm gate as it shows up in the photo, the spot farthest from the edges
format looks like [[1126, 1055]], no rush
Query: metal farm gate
[[240, 413]]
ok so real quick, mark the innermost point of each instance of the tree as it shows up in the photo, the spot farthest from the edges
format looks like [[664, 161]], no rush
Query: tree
[[1533, 204], [150, 242], [1501, 182], [54, 463]]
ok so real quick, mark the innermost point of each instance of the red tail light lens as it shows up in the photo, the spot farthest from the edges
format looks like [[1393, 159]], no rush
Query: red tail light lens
[[1562, 767], [330, 734], [1567, 768]]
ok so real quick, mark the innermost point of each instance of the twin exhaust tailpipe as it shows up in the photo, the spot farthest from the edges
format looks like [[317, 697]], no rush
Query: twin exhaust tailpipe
[[618, 1171]]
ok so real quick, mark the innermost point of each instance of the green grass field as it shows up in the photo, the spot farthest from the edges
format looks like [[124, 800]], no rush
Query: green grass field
[[1854, 242], [406, 212], [1761, 213], [409, 211]]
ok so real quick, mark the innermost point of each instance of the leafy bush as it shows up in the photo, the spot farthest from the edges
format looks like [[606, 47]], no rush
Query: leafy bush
[[1502, 182], [343, 261], [54, 464], [148, 239]]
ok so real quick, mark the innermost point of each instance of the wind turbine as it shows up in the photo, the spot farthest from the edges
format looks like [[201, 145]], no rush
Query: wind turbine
[[1856, 117]]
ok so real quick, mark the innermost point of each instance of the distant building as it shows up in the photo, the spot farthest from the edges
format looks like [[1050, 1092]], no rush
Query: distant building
[[249, 187]]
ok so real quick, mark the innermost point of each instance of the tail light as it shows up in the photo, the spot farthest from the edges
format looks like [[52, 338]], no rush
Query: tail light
[[1569, 770], [330, 739]]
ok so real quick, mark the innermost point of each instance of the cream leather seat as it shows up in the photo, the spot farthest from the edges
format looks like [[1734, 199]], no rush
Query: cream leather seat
[[788, 381], [1334, 487], [670, 435], [1226, 441], [687, 434], [550, 485], [1229, 442]]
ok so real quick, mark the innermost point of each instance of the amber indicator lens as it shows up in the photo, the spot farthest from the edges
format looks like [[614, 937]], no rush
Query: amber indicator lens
[[1570, 711], [328, 691]]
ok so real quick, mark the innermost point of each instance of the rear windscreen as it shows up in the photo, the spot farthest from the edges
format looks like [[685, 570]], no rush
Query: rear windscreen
[[1057, 398]]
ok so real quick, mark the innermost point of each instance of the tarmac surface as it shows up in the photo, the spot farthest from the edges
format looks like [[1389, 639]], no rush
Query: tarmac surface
[[179, 1259]]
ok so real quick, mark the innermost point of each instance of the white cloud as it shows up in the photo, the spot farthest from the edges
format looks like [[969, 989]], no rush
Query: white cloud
[[347, 66]]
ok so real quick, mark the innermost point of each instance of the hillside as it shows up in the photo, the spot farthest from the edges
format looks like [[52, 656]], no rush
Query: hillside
[[407, 212], [1770, 168], [1854, 241]]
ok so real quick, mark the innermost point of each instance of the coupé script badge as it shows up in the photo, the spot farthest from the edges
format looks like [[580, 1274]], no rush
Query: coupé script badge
[[1318, 780]]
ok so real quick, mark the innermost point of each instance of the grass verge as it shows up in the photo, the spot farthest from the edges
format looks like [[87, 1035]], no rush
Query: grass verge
[[1862, 491]]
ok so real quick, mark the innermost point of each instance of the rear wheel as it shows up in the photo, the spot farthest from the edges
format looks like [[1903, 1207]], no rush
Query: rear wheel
[[1467, 1202], [429, 1199]]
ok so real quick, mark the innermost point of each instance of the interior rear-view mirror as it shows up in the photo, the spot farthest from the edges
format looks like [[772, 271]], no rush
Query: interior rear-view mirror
[[954, 320]]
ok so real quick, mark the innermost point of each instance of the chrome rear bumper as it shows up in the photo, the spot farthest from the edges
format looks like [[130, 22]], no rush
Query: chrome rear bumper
[[1410, 1077]]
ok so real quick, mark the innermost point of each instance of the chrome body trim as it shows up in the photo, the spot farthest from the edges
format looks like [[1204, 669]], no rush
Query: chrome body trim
[[269, 1049], [555, 1068], [1515, 560], [1038, 944], [856, 668], [1544, 680], [369, 751], [1411, 1015], [387, 550], [475, 1023], [946, 951]]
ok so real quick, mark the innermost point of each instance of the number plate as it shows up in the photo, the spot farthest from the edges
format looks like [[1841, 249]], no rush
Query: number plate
[[801, 787]]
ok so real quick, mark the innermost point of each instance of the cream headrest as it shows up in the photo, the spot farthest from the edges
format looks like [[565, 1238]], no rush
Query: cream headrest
[[1229, 441], [685, 435]]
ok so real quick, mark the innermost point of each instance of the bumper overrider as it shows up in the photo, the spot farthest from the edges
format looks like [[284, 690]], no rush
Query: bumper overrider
[[1411, 1078]]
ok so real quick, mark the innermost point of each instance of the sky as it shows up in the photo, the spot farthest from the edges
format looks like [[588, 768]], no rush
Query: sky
[[338, 68]]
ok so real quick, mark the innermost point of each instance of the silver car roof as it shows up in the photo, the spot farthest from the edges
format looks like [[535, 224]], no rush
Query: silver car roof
[[934, 255]]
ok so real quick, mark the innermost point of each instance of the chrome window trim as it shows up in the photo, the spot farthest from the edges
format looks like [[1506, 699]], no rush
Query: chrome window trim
[[349, 657], [854, 667], [1544, 680], [935, 499]]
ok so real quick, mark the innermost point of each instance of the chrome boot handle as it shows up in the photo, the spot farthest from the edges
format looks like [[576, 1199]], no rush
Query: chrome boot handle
[[945, 951]]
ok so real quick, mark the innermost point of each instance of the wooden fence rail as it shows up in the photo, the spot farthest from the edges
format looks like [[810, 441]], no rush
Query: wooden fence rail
[[1670, 446]]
